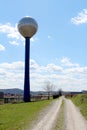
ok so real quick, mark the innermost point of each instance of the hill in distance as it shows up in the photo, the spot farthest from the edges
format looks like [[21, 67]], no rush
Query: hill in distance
[[20, 91], [12, 91]]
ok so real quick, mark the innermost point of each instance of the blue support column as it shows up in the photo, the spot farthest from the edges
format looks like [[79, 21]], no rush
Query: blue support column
[[27, 71]]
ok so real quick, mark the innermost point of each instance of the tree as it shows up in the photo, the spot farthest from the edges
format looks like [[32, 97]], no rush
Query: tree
[[60, 92], [48, 88]]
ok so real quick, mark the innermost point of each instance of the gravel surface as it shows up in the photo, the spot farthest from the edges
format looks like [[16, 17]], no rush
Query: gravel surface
[[73, 118], [47, 121]]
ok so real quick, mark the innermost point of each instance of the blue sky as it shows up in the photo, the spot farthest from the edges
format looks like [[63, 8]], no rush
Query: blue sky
[[58, 50]]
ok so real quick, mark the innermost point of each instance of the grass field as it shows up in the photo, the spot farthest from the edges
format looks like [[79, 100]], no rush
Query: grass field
[[81, 102], [20, 116]]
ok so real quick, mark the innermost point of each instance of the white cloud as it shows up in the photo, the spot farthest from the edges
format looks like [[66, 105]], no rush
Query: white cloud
[[33, 65], [14, 43], [67, 79], [14, 65], [2, 48], [80, 18], [66, 62], [74, 77], [53, 68], [10, 30], [11, 75], [77, 70]]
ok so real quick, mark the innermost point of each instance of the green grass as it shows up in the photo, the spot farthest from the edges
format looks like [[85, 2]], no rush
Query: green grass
[[60, 120], [81, 102], [20, 116]]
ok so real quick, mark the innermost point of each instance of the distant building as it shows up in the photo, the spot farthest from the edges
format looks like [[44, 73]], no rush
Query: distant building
[[84, 91], [12, 98], [1, 95]]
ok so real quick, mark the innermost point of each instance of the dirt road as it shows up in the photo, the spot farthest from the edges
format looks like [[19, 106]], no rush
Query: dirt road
[[47, 122], [73, 118]]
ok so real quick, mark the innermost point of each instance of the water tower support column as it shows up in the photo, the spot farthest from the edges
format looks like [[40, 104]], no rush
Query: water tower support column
[[27, 73]]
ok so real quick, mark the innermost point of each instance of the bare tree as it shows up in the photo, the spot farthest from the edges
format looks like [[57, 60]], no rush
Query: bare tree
[[60, 92], [48, 88]]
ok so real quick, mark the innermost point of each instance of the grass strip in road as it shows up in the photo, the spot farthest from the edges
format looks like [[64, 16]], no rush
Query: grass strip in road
[[60, 120], [81, 102], [19, 116]]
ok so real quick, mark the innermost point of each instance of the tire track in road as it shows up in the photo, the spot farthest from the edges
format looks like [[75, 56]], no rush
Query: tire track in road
[[48, 121], [73, 118]]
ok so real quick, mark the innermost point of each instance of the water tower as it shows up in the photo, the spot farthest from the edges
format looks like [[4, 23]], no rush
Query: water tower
[[27, 27]]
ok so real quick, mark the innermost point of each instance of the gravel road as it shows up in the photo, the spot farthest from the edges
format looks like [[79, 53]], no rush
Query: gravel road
[[73, 118], [47, 122]]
